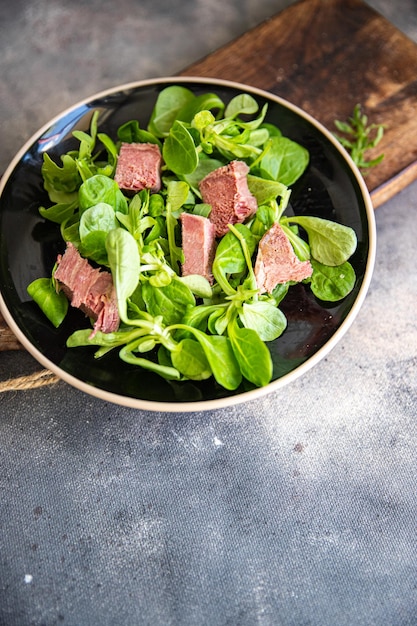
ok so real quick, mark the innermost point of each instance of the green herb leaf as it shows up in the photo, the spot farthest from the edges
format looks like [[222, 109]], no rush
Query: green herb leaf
[[169, 102], [230, 258], [332, 283], [170, 301], [285, 161], [251, 353], [264, 317], [358, 136], [179, 151], [54, 305], [100, 188], [124, 261], [331, 243], [190, 359], [61, 183]]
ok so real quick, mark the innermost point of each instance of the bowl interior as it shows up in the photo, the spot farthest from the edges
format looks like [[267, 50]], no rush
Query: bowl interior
[[330, 188]]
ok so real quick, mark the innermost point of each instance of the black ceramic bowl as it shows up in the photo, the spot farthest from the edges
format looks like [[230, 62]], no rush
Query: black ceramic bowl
[[331, 188]]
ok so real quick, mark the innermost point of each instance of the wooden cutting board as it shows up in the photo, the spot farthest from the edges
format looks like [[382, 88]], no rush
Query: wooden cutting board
[[326, 56]]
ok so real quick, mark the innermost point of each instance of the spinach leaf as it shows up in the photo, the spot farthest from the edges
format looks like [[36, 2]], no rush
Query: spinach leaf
[[54, 305], [245, 104], [272, 129], [332, 283], [179, 151], [300, 247], [330, 243], [100, 188], [124, 262], [93, 247], [190, 360], [108, 166], [156, 205], [70, 230], [199, 285], [264, 317], [284, 161], [204, 167], [251, 353], [177, 193], [95, 223], [221, 358], [203, 102], [169, 102], [240, 105], [98, 217], [266, 190], [170, 301]]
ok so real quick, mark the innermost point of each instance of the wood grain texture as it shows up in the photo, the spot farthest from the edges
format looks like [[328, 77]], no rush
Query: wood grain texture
[[326, 56], [8, 340]]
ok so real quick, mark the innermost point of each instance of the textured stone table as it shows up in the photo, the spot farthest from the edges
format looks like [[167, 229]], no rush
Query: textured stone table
[[298, 509]]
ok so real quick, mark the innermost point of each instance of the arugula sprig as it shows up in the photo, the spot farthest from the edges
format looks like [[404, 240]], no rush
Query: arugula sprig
[[359, 136]]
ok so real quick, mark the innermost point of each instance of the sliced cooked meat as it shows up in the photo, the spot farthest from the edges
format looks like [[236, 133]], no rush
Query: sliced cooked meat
[[276, 261], [198, 244], [88, 289], [139, 167], [226, 190]]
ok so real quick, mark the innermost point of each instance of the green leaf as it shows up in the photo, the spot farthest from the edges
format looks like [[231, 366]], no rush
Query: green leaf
[[252, 355], [61, 183], [177, 194], [124, 261], [199, 285], [221, 358], [358, 137], [285, 161], [266, 190], [100, 188], [169, 373], [131, 132], [59, 213], [203, 102], [190, 360], [170, 301], [169, 102], [98, 217], [330, 243], [179, 151], [230, 258], [111, 340], [264, 317], [242, 104], [204, 167], [54, 305], [332, 283]]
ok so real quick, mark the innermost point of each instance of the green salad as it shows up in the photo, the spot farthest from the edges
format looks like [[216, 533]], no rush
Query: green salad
[[188, 326]]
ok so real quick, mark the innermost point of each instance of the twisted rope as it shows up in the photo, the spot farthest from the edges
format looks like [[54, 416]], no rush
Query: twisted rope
[[32, 381]]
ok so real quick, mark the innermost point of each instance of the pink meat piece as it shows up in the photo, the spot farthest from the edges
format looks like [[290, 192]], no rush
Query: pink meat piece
[[139, 167], [276, 261], [89, 289], [198, 244], [226, 190]]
